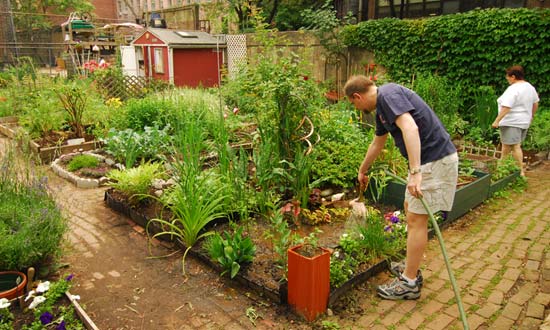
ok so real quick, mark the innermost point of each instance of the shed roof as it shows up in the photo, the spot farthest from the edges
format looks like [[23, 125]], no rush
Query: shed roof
[[186, 39]]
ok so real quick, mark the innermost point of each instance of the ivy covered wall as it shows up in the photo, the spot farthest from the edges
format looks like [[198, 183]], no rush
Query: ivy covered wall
[[472, 48]]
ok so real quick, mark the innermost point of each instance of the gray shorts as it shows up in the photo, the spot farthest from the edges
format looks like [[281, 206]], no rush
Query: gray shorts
[[438, 186], [512, 135]]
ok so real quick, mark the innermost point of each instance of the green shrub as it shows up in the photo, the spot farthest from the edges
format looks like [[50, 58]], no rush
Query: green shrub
[[135, 182], [42, 113], [537, 135], [504, 168], [82, 161], [146, 112], [445, 99], [338, 154], [336, 163], [473, 48], [31, 227]]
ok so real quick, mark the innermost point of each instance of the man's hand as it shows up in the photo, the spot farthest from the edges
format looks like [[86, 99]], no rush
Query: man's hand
[[363, 179], [414, 185]]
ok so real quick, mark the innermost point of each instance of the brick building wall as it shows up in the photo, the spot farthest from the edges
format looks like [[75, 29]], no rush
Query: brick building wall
[[105, 10]]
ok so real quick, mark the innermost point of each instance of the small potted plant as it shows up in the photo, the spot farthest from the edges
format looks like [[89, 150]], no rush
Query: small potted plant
[[308, 278]]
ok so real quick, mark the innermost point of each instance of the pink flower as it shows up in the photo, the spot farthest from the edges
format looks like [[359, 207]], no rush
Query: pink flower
[[235, 110]]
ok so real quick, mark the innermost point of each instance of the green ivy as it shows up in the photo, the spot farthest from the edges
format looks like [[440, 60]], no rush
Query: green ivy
[[473, 48]]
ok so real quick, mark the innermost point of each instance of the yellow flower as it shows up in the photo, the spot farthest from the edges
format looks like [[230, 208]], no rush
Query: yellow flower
[[114, 102]]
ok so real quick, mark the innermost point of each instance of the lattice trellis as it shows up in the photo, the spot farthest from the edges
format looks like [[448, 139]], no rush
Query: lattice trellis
[[125, 88], [236, 53]]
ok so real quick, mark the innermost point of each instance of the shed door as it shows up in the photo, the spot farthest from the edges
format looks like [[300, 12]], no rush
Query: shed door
[[129, 62], [196, 67]]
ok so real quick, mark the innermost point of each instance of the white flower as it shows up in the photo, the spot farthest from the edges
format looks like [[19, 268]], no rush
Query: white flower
[[344, 235], [4, 303], [336, 254], [29, 295], [43, 287], [37, 301], [361, 236], [397, 213]]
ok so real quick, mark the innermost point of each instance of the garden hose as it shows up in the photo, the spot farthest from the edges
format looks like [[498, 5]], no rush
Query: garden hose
[[444, 251]]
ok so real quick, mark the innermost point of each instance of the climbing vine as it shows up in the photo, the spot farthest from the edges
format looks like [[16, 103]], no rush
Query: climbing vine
[[472, 48]]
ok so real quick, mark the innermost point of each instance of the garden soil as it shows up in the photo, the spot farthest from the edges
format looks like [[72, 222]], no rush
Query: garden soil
[[125, 282]]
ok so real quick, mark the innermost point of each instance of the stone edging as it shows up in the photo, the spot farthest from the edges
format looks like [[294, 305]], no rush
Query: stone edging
[[78, 181]]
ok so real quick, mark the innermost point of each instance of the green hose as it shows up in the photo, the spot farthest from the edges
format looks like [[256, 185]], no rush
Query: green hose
[[444, 251]]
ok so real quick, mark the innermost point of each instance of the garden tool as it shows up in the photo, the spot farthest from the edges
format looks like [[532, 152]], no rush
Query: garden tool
[[358, 209], [444, 251]]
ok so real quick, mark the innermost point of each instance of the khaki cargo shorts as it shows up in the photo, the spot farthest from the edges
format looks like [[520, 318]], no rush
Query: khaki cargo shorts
[[438, 186]]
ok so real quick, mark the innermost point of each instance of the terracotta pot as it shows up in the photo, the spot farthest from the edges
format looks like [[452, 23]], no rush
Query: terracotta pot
[[12, 284], [308, 282]]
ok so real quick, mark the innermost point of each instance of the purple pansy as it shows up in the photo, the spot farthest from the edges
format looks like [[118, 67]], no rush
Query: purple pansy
[[68, 278], [61, 326], [394, 219], [46, 318]]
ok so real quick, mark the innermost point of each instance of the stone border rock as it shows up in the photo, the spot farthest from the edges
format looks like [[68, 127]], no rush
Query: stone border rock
[[78, 181]]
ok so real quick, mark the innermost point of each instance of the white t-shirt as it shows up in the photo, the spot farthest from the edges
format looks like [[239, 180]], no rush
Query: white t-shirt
[[519, 97]]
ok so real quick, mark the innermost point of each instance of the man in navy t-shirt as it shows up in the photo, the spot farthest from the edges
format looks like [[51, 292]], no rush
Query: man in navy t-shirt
[[433, 167]]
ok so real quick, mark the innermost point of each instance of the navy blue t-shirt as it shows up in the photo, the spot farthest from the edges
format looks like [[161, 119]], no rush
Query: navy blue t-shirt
[[394, 100]]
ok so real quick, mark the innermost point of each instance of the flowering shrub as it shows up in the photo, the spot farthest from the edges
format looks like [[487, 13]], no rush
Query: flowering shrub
[[43, 302], [93, 65], [378, 238], [395, 223]]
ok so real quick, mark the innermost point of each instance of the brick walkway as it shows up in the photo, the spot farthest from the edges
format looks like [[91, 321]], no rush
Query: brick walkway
[[499, 256]]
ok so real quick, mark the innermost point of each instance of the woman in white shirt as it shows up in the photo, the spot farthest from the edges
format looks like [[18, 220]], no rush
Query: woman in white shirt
[[517, 107]]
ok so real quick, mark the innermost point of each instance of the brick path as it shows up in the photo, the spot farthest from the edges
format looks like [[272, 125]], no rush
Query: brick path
[[499, 256], [498, 252]]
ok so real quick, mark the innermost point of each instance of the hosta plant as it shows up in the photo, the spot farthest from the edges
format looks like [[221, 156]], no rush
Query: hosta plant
[[231, 250]]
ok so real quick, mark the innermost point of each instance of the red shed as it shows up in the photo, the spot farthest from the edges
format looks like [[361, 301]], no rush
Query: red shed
[[184, 58]]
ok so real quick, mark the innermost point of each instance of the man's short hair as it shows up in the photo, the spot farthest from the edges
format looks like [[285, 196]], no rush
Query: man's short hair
[[357, 84]]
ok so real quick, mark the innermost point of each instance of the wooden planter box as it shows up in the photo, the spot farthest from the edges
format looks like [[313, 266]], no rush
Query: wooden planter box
[[392, 194], [9, 128], [308, 282], [466, 197], [469, 196], [502, 183]]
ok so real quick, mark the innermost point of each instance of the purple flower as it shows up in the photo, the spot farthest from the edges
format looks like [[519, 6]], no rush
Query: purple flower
[[61, 326], [46, 318], [394, 219], [68, 278], [388, 228]]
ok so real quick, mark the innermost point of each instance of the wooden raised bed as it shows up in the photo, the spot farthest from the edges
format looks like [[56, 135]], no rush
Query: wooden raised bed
[[9, 127], [466, 197], [502, 183]]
